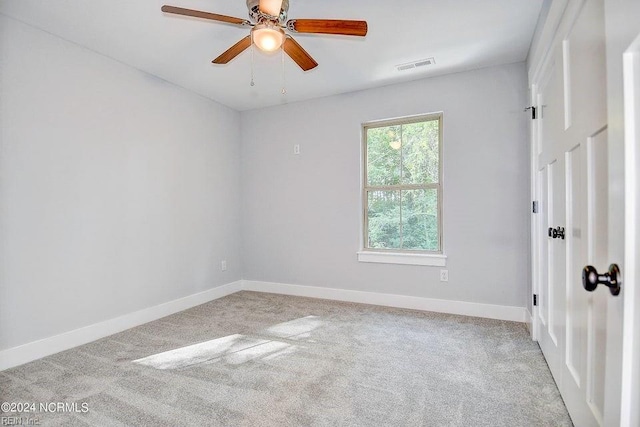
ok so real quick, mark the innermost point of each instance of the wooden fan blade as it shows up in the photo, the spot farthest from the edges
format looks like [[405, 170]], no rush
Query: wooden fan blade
[[204, 15], [270, 7], [233, 51], [298, 54], [328, 26]]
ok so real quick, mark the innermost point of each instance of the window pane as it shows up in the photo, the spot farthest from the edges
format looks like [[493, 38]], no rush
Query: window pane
[[420, 219], [384, 219], [383, 155], [420, 152]]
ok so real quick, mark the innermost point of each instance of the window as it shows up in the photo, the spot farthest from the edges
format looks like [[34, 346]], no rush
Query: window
[[402, 191]]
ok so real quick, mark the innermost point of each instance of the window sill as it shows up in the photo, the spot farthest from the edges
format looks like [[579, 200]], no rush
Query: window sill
[[434, 260]]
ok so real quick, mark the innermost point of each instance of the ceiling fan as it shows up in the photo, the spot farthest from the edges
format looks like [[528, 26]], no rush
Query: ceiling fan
[[269, 22]]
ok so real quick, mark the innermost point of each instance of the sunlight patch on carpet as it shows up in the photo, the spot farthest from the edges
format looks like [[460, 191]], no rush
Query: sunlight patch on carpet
[[235, 349], [198, 353]]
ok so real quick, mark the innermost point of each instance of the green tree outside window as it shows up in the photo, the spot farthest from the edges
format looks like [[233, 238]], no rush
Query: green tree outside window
[[402, 184]]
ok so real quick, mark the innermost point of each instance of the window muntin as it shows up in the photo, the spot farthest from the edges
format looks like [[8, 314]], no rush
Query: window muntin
[[402, 194]]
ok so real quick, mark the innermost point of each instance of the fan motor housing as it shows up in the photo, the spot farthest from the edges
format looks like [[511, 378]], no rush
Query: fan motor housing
[[257, 16]]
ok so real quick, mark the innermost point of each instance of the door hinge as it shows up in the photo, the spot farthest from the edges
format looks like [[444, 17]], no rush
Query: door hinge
[[534, 206], [533, 112], [535, 300]]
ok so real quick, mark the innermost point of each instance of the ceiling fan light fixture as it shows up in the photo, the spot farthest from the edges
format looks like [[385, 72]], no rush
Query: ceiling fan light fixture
[[267, 36], [269, 21]]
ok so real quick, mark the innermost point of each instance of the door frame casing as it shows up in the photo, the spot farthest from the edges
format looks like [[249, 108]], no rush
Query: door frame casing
[[630, 395], [534, 221]]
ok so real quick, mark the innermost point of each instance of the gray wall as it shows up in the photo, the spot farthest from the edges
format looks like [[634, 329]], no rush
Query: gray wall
[[301, 214], [118, 191]]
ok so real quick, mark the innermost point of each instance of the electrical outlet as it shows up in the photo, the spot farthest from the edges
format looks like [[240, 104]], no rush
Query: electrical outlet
[[223, 265], [444, 275], [296, 149]]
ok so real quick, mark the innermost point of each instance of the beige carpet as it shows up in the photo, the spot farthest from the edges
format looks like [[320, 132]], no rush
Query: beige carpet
[[254, 359]]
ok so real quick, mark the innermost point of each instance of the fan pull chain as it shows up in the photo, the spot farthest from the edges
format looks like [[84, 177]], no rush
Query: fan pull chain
[[252, 82], [284, 89]]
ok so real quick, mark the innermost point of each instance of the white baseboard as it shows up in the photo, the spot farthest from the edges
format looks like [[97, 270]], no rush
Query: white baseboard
[[490, 311], [37, 349]]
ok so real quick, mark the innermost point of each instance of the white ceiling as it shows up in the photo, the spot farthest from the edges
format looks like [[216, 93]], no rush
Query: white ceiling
[[459, 34]]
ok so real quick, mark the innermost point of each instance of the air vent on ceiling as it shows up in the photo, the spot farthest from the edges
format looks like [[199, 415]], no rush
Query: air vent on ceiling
[[415, 64]]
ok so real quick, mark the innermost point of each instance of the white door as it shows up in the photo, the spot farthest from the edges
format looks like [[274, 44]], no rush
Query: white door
[[550, 296], [572, 182]]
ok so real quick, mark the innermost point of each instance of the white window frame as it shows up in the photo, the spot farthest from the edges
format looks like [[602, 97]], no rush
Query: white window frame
[[401, 256]]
